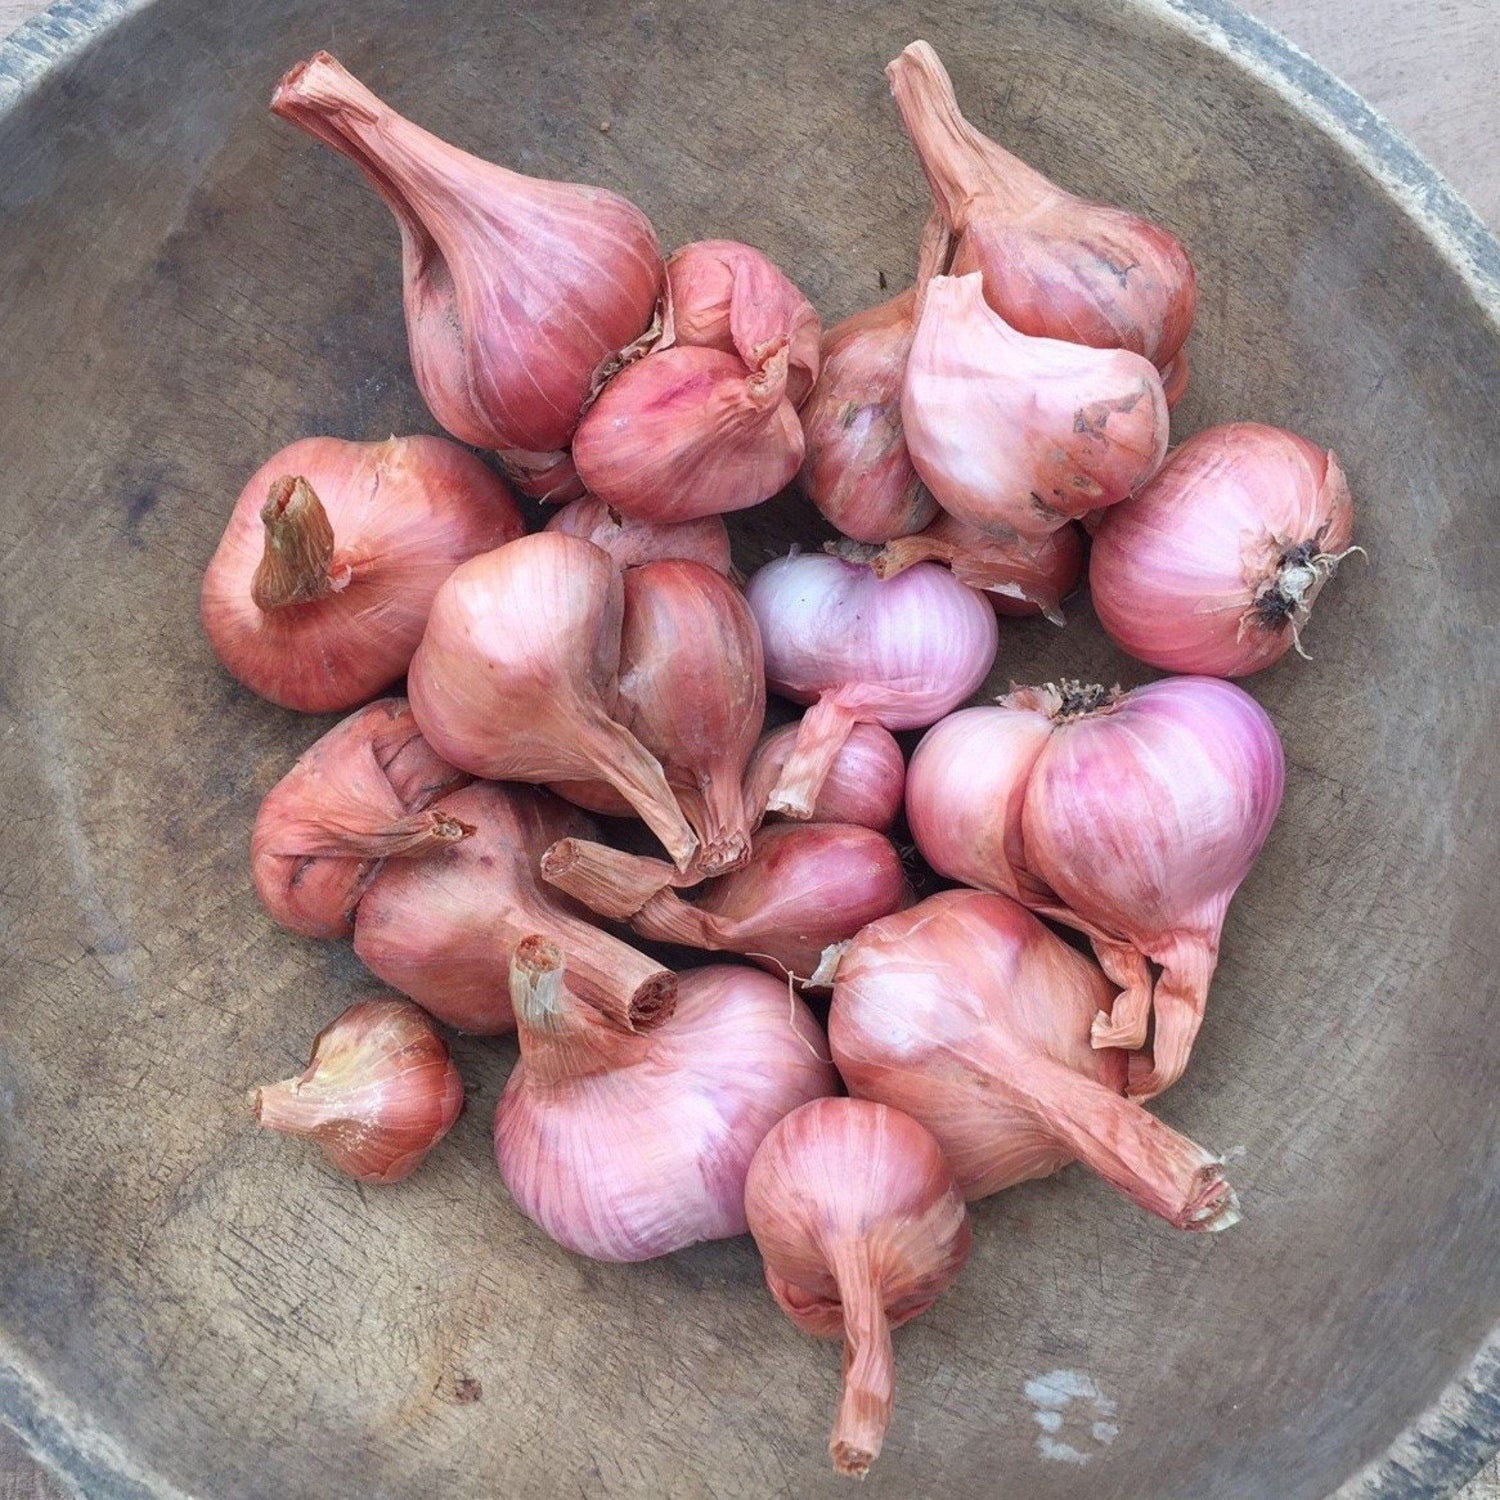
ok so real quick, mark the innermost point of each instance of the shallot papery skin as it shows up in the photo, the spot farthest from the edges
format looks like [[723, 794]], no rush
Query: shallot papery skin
[[1214, 565], [862, 1229], [1017, 577], [1054, 266], [900, 653], [379, 1093], [543, 476], [864, 784], [517, 290], [361, 794], [444, 933], [731, 297], [625, 1145], [1133, 817], [516, 677], [1017, 435], [857, 470], [630, 543], [319, 589], [689, 432], [806, 888], [972, 1017]]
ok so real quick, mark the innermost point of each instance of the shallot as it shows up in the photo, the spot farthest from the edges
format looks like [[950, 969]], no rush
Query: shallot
[[625, 1140], [443, 929], [862, 1229], [1214, 565], [1133, 817], [318, 592], [516, 677], [379, 1093], [543, 476], [972, 1017], [864, 784], [521, 295], [900, 654], [361, 794], [630, 542]]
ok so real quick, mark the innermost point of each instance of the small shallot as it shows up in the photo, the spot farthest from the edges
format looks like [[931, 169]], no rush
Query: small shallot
[[361, 794], [516, 677], [626, 1137], [379, 1093], [900, 654], [862, 1229], [543, 476], [972, 1017], [631, 543], [864, 784], [1018, 435], [318, 592], [443, 929], [521, 295], [1214, 565]]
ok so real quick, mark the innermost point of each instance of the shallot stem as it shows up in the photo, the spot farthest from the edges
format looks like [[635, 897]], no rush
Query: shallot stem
[[869, 1389], [296, 566]]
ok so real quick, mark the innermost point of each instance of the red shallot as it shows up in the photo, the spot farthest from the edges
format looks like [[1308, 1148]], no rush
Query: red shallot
[[967, 1013], [318, 592], [444, 933], [1214, 565], [1133, 817], [900, 654], [862, 1229], [521, 295], [379, 1093], [543, 476], [1054, 266], [630, 542], [1018, 435], [628, 1137], [361, 794], [516, 677], [864, 784]]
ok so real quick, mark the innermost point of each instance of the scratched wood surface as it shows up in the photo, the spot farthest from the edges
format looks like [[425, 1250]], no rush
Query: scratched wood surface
[[242, 1324]]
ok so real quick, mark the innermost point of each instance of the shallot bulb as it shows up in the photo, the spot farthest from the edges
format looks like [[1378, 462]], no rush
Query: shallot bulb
[[521, 295], [1017, 577], [444, 933], [1214, 565], [864, 784], [361, 794], [379, 1093], [900, 654], [689, 432], [857, 470], [862, 1229], [730, 297], [543, 476], [318, 592], [971, 1016], [626, 1141], [515, 678], [693, 692], [1018, 435], [806, 888], [1054, 266], [1133, 817], [631, 543]]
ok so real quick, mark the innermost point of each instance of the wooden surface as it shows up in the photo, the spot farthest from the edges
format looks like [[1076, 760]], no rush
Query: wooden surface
[[1430, 69]]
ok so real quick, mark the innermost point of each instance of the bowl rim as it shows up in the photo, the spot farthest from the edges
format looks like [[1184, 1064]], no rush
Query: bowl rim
[[1446, 1445]]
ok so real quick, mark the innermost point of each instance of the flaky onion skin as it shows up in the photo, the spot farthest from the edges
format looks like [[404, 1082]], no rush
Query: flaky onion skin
[[623, 1145], [631, 542], [318, 592], [1214, 565], [861, 1228], [968, 1014]]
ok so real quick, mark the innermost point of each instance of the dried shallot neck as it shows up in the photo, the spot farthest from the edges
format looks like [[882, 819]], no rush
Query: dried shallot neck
[[297, 565]]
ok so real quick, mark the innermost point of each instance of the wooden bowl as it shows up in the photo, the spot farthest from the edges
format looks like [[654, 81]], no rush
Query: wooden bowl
[[189, 1307]]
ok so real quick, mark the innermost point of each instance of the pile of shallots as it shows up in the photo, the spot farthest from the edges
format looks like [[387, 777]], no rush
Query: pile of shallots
[[581, 767]]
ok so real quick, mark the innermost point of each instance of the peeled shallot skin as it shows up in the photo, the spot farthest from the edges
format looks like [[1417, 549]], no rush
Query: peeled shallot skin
[[630, 542], [1018, 435], [361, 794], [625, 1145], [861, 1228], [968, 1014], [1054, 266], [517, 290], [1214, 565], [318, 592]]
